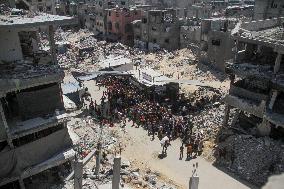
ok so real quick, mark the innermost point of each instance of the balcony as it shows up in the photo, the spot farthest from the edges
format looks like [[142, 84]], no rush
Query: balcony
[[245, 89], [25, 74], [276, 114], [22, 128], [246, 105], [36, 156], [275, 118], [249, 69]]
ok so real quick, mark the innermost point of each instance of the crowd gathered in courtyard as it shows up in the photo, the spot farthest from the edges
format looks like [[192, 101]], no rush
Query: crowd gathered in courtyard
[[123, 100]]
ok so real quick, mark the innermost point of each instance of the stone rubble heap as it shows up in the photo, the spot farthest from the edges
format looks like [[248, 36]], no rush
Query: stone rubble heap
[[209, 120], [254, 159]]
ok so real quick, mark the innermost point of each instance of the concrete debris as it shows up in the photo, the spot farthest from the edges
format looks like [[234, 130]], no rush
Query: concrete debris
[[253, 159]]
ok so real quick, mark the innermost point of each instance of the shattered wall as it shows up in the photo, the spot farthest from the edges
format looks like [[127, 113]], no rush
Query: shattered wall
[[199, 11], [189, 35], [219, 43], [39, 102], [160, 28], [216, 40], [14, 161]]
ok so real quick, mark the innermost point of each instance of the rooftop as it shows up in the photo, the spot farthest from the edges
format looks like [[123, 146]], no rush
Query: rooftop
[[272, 35], [18, 76], [25, 70], [14, 21]]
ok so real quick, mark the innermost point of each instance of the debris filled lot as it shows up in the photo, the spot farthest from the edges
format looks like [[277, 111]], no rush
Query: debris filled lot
[[79, 51]]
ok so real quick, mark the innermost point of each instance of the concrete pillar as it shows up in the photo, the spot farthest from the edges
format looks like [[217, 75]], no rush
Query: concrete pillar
[[78, 174], [52, 44], [226, 115], [9, 137], [193, 182], [98, 159], [273, 99], [235, 119], [22, 184], [277, 63], [116, 172], [264, 128]]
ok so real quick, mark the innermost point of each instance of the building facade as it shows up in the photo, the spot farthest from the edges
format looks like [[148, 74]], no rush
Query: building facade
[[256, 74], [267, 9], [158, 29], [33, 132], [216, 40], [119, 27]]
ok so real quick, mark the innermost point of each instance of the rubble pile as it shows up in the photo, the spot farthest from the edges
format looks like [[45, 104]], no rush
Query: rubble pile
[[5, 9], [209, 120], [132, 177], [80, 51], [90, 133], [203, 96], [254, 159], [25, 69]]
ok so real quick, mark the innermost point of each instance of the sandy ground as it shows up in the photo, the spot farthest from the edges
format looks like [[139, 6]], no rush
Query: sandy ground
[[143, 153]]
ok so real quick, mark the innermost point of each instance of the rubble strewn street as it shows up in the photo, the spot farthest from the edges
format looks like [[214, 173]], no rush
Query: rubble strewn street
[[166, 94]]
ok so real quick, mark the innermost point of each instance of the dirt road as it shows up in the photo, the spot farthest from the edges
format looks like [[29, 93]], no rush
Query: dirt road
[[143, 151]]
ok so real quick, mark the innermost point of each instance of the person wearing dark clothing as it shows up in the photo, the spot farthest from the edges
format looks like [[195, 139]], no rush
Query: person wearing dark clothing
[[181, 152]]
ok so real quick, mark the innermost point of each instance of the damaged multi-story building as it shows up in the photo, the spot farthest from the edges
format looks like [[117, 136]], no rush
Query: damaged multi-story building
[[216, 40], [119, 24], [157, 29], [95, 14], [190, 34], [256, 72], [55, 7], [33, 132], [267, 9], [199, 10]]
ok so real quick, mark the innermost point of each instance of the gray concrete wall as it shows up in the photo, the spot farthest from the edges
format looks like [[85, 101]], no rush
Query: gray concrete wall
[[218, 54], [10, 46], [265, 9], [189, 35], [3, 135], [164, 34], [17, 160], [262, 24]]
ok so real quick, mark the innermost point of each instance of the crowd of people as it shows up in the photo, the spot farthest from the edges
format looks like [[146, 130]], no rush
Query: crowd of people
[[123, 100]]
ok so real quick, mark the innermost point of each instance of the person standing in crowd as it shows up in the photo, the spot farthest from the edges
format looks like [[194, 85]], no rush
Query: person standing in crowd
[[181, 152], [189, 151]]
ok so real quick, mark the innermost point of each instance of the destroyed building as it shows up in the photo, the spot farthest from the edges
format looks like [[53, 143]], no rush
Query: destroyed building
[[256, 75], [240, 11], [157, 29], [119, 24], [95, 14], [216, 40], [33, 132], [190, 34], [55, 7], [199, 10], [265, 9]]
